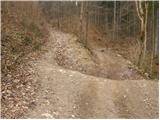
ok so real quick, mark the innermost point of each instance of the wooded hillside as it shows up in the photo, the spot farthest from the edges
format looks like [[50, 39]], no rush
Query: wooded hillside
[[79, 59]]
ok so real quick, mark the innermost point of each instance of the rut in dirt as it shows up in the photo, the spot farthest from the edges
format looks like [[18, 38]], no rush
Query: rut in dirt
[[65, 93]]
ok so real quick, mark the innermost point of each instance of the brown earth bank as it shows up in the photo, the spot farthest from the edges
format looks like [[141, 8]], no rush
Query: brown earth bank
[[94, 60]]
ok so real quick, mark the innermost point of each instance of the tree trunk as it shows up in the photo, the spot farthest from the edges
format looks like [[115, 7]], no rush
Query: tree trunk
[[114, 24], [156, 51], [86, 29], [143, 16], [145, 33], [81, 22], [153, 38]]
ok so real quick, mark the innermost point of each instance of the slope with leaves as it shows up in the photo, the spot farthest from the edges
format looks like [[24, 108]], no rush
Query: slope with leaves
[[22, 37]]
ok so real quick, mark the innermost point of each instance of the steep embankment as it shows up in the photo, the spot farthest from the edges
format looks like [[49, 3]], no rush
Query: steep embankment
[[70, 94], [97, 61], [23, 33]]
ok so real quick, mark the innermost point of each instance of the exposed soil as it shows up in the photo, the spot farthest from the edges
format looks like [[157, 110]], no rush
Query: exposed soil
[[96, 60], [103, 93]]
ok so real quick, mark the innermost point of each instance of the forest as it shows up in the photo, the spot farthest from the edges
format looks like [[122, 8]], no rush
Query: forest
[[79, 59]]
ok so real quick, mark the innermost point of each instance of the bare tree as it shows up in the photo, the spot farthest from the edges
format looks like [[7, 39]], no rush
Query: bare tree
[[114, 24], [81, 20], [143, 16]]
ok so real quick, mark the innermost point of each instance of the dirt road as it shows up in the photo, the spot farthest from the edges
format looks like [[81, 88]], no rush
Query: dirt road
[[65, 93]]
